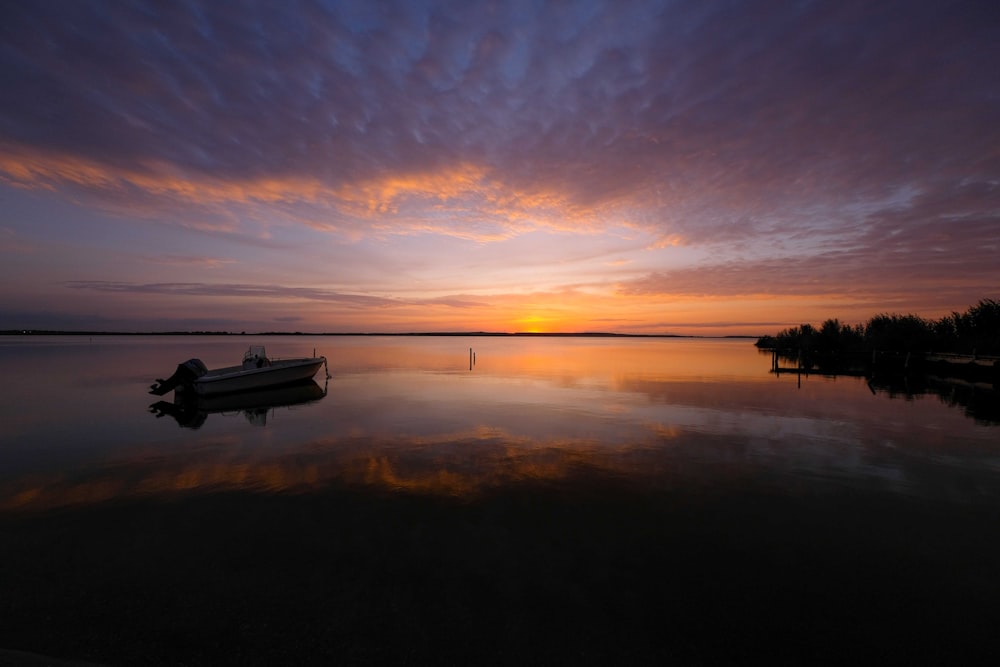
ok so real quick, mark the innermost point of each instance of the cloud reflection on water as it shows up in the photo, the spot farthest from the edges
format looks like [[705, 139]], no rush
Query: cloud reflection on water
[[465, 465]]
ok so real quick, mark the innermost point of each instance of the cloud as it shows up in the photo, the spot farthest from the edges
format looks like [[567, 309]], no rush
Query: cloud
[[705, 120], [188, 261], [941, 242], [247, 291], [464, 202], [258, 291]]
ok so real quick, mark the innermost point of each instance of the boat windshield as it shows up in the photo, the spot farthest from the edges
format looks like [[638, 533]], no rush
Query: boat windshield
[[254, 355]]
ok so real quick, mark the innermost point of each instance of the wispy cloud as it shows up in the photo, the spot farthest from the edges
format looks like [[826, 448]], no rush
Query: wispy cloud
[[258, 291], [189, 261]]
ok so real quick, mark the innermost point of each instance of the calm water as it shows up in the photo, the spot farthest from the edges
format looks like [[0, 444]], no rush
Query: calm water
[[563, 500]]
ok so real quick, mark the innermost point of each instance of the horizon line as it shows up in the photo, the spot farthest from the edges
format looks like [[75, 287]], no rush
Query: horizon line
[[537, 334]]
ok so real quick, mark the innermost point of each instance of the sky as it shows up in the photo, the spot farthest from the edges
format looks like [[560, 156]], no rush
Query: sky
[[674, 167]]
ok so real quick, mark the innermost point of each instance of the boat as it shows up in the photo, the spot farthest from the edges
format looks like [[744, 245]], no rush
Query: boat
[[191, 410], [257, 371]]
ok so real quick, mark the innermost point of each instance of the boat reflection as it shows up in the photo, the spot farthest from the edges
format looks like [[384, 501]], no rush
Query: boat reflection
[[191, 410]]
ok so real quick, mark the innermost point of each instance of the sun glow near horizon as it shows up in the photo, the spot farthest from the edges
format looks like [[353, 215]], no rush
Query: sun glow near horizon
[[536, 324]]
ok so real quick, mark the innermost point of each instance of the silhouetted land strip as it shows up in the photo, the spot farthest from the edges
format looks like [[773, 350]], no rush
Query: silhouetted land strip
[[525, 334]]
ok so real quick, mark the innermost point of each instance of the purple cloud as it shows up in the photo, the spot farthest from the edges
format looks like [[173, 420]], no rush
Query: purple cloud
[[262, 291], [740, 99]]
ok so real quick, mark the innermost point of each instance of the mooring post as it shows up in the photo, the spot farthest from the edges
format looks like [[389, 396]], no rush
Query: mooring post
[[470, 358]]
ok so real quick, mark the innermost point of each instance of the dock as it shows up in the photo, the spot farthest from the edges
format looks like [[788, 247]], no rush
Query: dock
[[971, 367]]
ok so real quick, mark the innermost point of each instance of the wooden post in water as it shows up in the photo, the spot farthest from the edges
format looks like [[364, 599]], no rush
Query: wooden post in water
[[470, 358]]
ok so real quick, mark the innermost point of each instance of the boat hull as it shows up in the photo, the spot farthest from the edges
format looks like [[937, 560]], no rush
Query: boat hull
[[191, 410], [237, 379]]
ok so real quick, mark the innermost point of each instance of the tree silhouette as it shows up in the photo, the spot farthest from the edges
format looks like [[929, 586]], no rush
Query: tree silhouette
[[975, 331]]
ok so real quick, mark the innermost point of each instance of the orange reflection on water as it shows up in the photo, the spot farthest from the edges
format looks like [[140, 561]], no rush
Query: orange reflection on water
[[606, 360], [460, 465], [613, 359]]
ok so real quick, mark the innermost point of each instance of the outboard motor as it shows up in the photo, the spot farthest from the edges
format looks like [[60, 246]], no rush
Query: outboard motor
[[186, 373]]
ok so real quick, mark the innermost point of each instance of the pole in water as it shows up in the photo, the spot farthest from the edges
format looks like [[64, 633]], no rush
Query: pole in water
[[470, 358]]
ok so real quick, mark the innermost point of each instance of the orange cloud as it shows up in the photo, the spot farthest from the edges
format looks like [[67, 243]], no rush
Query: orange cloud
[[668, 241], [384, 195], [36, 169], [465, 200]]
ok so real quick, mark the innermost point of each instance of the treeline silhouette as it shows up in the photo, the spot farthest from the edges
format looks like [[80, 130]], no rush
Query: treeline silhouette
[[974, 332]]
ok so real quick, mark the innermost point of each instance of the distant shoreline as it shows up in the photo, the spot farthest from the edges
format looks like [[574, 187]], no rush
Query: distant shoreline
[[519, 334]]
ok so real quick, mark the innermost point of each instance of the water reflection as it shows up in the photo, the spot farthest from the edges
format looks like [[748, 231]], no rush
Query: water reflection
[[407, 415], [977, 401], [191, 410], [360, 443], [460, 465], [585, 501]]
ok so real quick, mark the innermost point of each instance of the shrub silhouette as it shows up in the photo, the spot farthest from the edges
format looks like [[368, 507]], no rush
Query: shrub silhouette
[[977, 331]]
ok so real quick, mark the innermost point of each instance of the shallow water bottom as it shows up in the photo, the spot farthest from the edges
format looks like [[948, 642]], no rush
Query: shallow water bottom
[[592, 570]]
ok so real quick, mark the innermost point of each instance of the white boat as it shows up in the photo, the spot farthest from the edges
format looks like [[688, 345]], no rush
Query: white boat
[[256, 372], [191, 410]]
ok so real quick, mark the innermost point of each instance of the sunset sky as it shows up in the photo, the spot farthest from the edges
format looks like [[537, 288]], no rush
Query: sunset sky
[[679, 167]]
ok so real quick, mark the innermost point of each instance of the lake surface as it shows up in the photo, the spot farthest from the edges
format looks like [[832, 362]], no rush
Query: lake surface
[[561, 500]]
